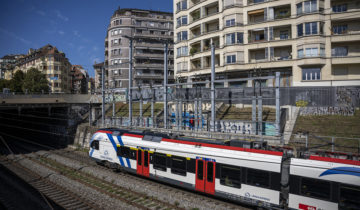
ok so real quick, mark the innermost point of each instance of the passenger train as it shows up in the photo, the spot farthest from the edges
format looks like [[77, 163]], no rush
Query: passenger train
[[259, 177]]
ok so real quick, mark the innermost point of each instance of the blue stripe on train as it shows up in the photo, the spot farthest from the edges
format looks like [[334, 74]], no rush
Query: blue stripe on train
[[122, 144], [342, 170], [115, 148]]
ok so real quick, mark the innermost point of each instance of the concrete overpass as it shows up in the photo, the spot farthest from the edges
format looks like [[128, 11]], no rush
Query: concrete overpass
[[10, 100]]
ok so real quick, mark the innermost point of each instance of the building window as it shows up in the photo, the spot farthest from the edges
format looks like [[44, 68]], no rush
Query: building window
[[311, 73], [181, 21], [300, 53], [230, 22], [230, 59], [300, 30], [340, 29], [230, 38], [311, 28], [182, 35], [339, 8], [230, 176], [339, 51], [299, 8], [240, 38], [284, 35], [312, 52], [182, 51], [310, 6], [182, 5]]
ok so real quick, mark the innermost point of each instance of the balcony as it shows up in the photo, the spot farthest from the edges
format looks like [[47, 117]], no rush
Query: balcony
[[148, 76], [257, 35], [345, 53], [195, 32], [281, 53], [211, 9], [195, 64], [281, 12], [258, 55], [207, 43], [211, 26], [232, 3], [255, 1], [194, 16], [207, 61], [194, 2], [281, 33], [256, 16], [195, 48]]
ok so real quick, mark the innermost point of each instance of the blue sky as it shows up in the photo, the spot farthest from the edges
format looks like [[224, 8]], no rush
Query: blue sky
[[76, 27]]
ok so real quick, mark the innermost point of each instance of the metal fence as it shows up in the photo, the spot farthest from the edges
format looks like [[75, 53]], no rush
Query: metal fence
[[326, 144]]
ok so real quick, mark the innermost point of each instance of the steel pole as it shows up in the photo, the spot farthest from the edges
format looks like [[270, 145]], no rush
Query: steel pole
[[103, 95], [212, 86], [165, 84], [277, 102], [130, 80]]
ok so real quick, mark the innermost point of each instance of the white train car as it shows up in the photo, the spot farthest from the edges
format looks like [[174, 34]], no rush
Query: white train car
[[249, 176], [324, 183], [246, 175]]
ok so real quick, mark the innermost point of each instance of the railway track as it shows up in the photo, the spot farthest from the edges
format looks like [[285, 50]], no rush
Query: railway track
[[84, 158], [59, 195], [132, 198]]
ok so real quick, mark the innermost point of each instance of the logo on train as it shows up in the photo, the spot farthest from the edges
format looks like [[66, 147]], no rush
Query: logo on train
[[247, 194], [106, 152], [306, 207]]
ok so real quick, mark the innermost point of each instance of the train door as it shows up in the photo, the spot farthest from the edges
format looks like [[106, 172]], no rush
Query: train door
[[205, 176], [139, 168], [143, 162], [146, 158]]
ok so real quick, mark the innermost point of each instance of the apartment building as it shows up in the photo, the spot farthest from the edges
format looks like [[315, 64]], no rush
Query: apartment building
[[7, 65], [79, 80], [52, 62], [149, 30], [98, 71], [311, 42]]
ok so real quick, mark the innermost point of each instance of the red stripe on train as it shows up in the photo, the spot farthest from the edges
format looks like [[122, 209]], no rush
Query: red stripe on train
[[335, 160], [102, 131], [224, 147], [132, 135]]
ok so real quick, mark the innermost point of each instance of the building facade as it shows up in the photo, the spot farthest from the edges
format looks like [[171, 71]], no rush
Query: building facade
[[79, 80], [97, 70], [7, 65], [50, 61], [311, 42], [149, 30]]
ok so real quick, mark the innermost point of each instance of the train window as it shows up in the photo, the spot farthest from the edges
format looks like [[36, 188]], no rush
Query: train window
[[124, 152], [200, 172], [315, 188], [146, 158], [178, 165], [349, 197], [258, 178], [230, 176], [210, 171], [95, 144], [139, 160], [160, 161]]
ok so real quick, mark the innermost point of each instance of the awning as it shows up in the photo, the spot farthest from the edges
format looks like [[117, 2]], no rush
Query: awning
[[256, 12]]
